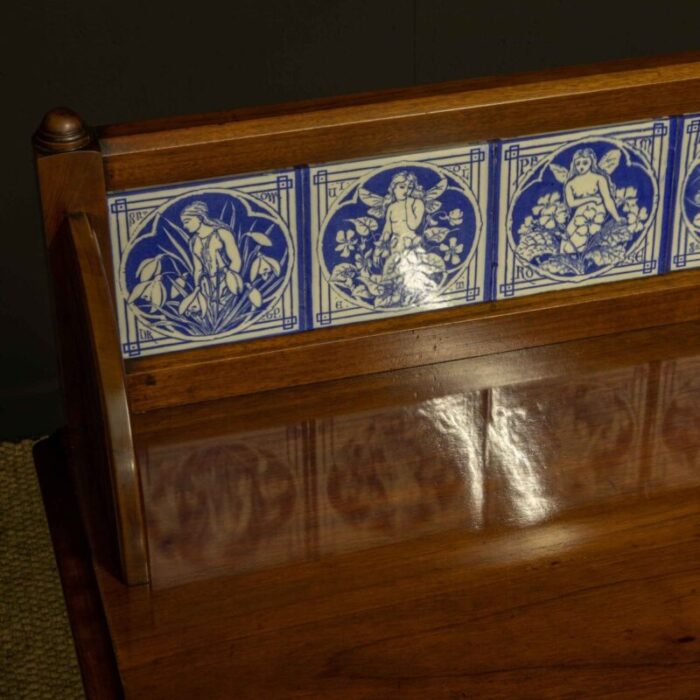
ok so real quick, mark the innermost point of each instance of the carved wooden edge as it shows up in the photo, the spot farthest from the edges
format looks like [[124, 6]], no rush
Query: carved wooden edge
[[411, 341], [393, 122], [122, 463]]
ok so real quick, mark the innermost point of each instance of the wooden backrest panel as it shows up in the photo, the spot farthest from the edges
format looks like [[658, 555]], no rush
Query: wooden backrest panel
[[375, 124], [251, 140], [398, 121]]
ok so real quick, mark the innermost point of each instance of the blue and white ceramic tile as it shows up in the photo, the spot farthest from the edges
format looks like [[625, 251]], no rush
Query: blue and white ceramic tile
[[581, 208], [206, 262], [685, 243], [398, 235]]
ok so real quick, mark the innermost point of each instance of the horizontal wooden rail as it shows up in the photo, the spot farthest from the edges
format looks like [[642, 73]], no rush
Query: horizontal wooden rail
[[411, 341], [413, 385], [391, 122]]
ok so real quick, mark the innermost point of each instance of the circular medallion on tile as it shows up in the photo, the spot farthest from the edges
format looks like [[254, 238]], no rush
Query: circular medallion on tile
[[206, 265], [583, 209], [400, 236]]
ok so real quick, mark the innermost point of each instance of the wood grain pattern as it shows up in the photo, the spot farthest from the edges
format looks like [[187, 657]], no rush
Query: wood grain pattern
[[408, 120], [267, 410], [437, 572], [120, 458]]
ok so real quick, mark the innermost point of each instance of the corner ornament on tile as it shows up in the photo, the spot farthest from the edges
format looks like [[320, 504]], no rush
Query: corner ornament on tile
[[206, 264], [584, 210], [399, 236]]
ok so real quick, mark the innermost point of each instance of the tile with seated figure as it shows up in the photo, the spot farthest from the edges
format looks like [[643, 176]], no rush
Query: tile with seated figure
[[685, 244], [203, 263], [398, 235], [581, 208]]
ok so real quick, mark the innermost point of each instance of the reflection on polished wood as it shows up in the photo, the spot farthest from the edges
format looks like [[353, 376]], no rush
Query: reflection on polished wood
[[524, 525], [348, 477], [233, 501]]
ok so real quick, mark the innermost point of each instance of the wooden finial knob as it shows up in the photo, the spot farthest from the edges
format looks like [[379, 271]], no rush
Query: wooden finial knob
[[61, 130]]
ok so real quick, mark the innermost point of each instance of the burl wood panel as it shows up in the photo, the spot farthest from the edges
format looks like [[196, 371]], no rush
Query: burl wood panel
[[524, 525]]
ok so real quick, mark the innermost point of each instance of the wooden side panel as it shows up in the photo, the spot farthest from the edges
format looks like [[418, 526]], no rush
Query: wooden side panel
[[71, 179], [98, 665], [114, 410]]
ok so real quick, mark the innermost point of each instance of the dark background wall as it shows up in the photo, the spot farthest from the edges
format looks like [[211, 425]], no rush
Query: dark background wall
[[125, 60]]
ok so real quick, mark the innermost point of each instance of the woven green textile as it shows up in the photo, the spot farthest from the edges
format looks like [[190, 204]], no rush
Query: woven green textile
[[37, 657]]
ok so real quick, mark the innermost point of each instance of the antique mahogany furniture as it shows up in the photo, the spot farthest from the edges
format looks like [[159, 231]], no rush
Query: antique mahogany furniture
[[487, 501]]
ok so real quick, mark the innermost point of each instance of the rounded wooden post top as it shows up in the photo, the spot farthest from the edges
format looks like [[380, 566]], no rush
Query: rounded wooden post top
[[62, 130]]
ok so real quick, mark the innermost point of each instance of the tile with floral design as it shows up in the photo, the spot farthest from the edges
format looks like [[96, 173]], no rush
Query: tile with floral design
[[398, 235], [685, 241], [206, 262], [581, 208]]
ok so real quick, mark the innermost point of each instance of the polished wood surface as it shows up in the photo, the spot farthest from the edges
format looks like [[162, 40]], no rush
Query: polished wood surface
[[70, 171], [524, 525], [399, 121], [120, 460], [60, 131]]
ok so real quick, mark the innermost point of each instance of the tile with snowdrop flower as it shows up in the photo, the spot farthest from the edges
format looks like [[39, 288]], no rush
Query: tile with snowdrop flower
[[685, 240], [399, 235], [207, 262], [581, 208]]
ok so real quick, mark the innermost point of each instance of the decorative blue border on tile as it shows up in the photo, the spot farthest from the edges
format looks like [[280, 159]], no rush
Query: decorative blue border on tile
[[207, 262], [581, 207], [398, 235], [685, 227]]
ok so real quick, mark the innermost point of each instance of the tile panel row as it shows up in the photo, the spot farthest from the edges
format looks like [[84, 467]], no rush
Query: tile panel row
[[238, 258]]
